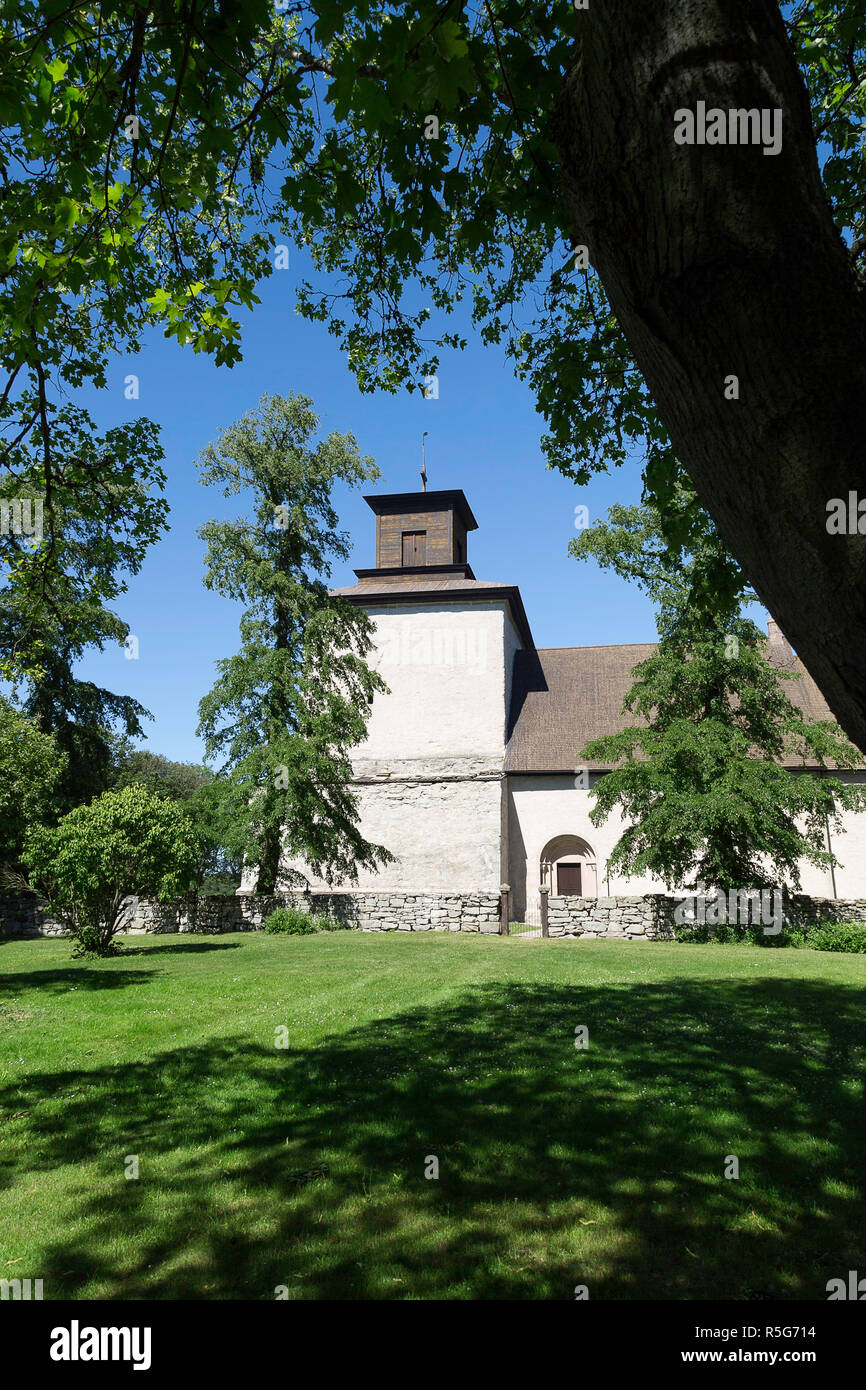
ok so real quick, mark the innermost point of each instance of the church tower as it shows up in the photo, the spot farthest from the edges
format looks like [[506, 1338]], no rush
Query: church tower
[[429, 777]]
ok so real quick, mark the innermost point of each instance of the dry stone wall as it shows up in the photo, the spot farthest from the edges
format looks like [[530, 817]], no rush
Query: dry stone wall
[[648, 917], [472, 912], [458, 912]]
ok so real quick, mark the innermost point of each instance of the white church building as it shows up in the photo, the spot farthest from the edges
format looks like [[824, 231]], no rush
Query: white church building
[[471, 772]]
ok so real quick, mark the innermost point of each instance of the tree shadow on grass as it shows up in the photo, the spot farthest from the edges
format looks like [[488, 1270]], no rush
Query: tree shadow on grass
[[181, 948], [557, 1166], [71, 977]]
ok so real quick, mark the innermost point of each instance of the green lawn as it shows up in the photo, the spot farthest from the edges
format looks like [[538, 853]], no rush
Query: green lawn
[[304, 1167]]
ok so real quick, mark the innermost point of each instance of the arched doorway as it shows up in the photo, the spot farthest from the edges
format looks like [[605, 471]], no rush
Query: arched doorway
[[569, 868]]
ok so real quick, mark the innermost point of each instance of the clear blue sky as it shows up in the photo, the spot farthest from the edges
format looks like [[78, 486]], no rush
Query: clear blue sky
[[483, 437]]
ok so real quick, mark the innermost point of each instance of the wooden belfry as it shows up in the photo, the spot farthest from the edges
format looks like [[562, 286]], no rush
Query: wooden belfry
[[421, 532]]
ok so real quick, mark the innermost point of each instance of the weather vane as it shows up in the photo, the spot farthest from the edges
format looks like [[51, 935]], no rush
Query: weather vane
[[423, 463]]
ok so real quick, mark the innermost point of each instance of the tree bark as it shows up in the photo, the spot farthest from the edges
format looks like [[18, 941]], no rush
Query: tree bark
[[720, 260]]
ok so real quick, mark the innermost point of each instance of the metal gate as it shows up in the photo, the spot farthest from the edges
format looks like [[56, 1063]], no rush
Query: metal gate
[[531, 924]]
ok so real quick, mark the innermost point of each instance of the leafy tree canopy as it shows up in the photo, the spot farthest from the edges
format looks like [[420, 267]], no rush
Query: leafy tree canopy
[[30, 767], [287, 709], [69, 549], [172, 780], [206, 800], [146, 148], [722, 780]]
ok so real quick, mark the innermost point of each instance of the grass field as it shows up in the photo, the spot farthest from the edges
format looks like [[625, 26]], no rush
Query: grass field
[[304, 1166]]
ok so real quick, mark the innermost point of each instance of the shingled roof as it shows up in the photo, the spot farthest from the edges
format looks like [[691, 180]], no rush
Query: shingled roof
[[562, 697]]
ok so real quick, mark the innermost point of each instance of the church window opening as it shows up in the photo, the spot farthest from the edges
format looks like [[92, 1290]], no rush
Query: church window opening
[[414, 547]]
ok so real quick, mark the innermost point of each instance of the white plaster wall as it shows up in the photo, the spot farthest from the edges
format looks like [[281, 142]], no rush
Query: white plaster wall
[[542, 807], [429, 774], [446, 672], [849, 847], [444, 835]]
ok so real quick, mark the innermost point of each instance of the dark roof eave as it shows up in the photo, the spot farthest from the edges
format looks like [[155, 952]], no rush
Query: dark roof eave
[[462, 571], [455, 497]]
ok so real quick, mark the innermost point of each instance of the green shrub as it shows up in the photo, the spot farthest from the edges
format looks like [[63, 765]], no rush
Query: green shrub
[[290, 921], [794, 936], [297, 921], [821, 936], [325, 923], [837, 936], [125, 843], [733, 934]]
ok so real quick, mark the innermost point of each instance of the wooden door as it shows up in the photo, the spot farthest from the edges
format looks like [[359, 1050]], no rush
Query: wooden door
[[414, 547], [568, 880]]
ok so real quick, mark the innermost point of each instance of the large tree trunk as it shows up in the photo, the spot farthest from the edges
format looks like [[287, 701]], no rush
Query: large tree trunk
[[720, 260]]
